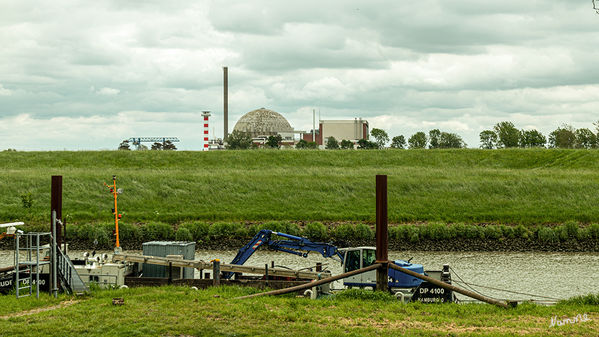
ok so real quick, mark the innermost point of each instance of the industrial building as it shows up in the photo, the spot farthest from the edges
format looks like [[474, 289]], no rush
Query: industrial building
[[352, 130], [262, 123]]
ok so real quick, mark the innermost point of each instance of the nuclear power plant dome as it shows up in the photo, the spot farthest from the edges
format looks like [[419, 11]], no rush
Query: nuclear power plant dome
[[263, 122]]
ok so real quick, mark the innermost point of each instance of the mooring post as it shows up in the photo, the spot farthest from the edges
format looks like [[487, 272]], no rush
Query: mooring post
[[382, 238], [216, 273], [266, 274], [56, 206]]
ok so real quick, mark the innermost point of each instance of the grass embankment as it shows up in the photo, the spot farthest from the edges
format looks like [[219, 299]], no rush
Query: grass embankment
[[516, 186], [177, 311]]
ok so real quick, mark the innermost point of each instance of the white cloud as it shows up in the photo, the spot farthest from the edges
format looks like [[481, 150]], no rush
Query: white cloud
[[108, 91], [4, 91], [457, 66]]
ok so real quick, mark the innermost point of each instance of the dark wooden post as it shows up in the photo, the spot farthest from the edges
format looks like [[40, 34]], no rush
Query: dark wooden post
[[382, 238], [56, 205], [216, 273], [266, 274]]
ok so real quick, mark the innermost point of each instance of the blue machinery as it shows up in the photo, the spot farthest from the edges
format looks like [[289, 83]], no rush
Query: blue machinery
[[350, 258], [287, 246]]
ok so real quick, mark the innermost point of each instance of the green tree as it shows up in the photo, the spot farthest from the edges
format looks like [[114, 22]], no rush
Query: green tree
[[124, 145], [364, 144], [332, 144], [302, 144], [347, 144], [450, 141], [398, 142], [433, 138], [238, 140], [169, 146], [507, 134], [274, 142], [312, 145], [585, 139], [417, 140], [380, 136], [563, 137], [532, 138], [488, 139]]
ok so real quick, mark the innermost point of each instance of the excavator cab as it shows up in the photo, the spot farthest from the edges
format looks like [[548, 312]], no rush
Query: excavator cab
[[357, 258]]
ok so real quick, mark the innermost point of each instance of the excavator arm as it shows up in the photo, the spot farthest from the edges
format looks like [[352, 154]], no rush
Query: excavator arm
[[292, 246]]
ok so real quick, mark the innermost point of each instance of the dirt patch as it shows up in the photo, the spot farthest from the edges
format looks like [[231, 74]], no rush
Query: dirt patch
[[38, 310]]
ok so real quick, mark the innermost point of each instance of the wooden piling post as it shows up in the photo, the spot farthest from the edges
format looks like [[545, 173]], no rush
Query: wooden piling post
[[382, 238], [266, 274], [56, 205], [216, 273]]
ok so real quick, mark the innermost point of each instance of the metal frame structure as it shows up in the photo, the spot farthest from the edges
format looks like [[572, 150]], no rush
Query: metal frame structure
[[32, 262]]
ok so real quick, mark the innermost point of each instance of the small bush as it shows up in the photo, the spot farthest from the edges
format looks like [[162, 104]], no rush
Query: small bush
[[398, 233], [594, 231], [95, 235], [225, 230], [508, 232], [129, 233], [572, 230], [157, 231], [547, 235], [460, 230], [344, 232], [522, 232], [439, 231], [493, 232], [315, 231], [364, 232], [27, 200], [276, 226], [474, 232], [561, 233], [183, 234]]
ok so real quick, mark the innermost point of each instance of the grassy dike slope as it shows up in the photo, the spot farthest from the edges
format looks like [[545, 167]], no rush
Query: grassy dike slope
[[181, 311], [528, 186]]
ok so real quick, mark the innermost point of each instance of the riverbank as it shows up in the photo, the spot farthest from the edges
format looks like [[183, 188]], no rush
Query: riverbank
[[434, 236], [177, 311]]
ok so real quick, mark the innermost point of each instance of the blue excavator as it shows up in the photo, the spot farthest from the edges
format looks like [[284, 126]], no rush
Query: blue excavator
[[351, 259]]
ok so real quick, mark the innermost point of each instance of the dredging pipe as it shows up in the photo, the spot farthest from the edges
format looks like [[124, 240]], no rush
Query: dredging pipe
[[449, 286], [313, 284]]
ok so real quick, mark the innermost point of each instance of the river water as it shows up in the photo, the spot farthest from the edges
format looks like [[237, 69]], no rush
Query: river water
[[555, 275]]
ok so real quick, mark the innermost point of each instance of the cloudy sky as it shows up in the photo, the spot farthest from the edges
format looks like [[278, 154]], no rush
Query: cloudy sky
[[81, 75]]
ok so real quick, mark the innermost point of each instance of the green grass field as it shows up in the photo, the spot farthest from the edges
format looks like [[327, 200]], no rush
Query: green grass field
[[181, 311], [523, 186]]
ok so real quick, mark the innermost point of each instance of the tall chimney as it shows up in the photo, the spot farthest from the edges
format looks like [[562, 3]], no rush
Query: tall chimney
[[226, 102]]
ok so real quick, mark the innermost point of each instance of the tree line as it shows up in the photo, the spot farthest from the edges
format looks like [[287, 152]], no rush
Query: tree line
[[506, 135], [502, 135], [166, 146]]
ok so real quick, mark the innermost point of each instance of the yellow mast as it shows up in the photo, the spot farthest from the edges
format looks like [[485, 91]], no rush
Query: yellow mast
[[117, 216]]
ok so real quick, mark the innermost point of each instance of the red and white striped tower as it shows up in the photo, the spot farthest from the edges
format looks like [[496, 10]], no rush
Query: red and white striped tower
[[205, 114]]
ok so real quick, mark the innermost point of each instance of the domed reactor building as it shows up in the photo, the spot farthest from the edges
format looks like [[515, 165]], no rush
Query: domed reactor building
[[261, 123]]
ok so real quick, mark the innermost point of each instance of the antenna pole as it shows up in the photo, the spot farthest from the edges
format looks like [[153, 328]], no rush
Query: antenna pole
[[313, 125]]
